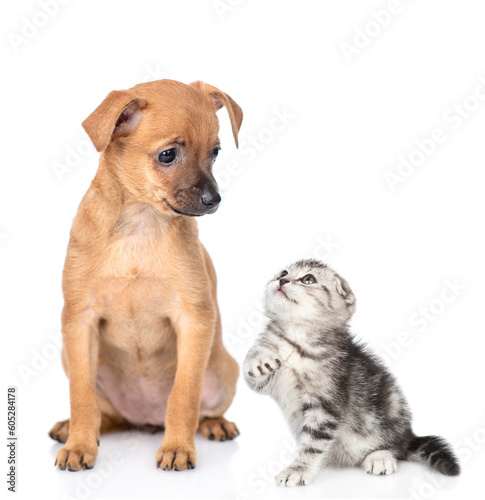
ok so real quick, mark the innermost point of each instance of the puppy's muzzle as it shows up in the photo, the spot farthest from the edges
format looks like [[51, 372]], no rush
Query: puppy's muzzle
[[204, 199]]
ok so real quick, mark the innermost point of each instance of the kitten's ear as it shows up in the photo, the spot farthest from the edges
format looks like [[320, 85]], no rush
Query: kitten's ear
[[344, 290]]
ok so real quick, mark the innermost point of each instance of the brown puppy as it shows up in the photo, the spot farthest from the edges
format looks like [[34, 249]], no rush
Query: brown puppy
[[141, 325]]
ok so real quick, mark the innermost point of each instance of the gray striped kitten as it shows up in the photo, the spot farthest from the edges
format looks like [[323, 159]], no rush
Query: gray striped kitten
[[343, 406]]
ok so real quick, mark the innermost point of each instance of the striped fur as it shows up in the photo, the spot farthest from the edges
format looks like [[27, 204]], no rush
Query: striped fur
[[342, 405]]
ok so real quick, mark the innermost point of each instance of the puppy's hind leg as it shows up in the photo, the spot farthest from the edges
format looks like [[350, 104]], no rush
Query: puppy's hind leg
[[218, 429], [111, 421], [217, 395], [60, 430], [218, 388]]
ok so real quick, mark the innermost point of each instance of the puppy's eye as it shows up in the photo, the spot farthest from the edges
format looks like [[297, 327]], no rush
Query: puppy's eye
[[308, 279], [215, 152], [167, 157], [282, 275]]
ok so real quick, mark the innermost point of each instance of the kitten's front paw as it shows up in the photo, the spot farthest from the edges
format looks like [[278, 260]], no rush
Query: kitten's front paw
[[263, 366], [293, 477]]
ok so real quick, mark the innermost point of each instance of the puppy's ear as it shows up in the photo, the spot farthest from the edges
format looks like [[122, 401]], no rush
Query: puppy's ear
[[221, 99], [117, 116], [344, 290]]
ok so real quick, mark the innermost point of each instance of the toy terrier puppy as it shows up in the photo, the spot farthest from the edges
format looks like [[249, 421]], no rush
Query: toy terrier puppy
[[142, 343]]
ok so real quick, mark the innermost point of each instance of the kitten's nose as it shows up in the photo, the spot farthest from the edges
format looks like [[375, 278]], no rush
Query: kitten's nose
[[283, 281]]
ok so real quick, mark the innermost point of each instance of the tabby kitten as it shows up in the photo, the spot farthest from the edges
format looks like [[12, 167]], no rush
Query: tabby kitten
[[343, 406]]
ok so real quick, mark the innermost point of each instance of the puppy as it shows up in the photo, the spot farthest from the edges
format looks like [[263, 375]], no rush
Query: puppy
[[142, 342]]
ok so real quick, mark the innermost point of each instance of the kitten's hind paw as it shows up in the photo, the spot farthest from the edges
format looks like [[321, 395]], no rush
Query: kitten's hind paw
[[380, 462], [293, 477]]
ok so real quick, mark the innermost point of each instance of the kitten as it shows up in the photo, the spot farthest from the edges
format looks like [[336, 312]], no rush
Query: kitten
[[343, 406]]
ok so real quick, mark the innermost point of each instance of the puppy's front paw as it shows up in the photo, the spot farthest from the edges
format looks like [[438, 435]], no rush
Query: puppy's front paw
[[263, 366], [176, 457], [293, 477], [77, 456]]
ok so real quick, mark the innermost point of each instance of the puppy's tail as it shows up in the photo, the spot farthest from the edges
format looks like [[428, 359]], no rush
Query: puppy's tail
[[435, 452]]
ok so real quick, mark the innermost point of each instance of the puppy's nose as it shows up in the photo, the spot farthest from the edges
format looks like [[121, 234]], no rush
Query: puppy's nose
[[283, 281], [210, 197]]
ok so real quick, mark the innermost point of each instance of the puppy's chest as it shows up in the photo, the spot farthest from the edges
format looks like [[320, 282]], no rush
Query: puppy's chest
[[131, 282], [138, 245], [133, 277]]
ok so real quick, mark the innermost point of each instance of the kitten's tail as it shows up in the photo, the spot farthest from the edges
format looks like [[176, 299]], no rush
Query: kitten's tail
[[435, 452]]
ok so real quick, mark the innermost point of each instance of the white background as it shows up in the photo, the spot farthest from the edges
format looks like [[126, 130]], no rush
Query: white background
[[316, 187]]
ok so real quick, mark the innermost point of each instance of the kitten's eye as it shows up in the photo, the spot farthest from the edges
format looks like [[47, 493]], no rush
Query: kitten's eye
[[215, 152], [167, 157], [308, 279], [282, 275]]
